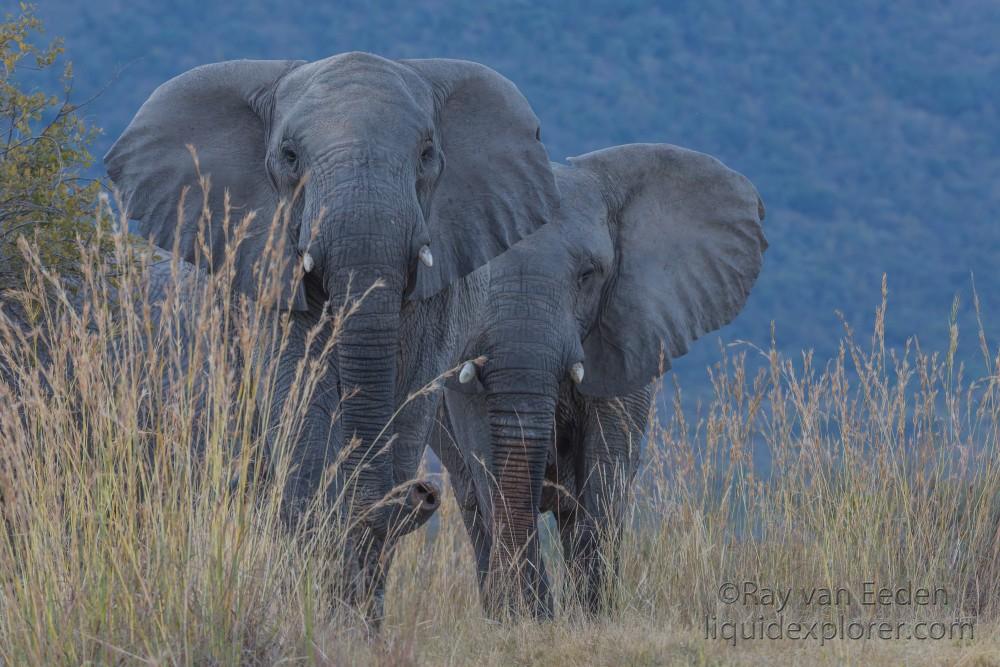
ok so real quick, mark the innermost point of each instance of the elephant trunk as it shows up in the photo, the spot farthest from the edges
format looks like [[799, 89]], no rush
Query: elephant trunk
[[363, 249], [521, 432], [367, 352], [525, 365], [360, 277]]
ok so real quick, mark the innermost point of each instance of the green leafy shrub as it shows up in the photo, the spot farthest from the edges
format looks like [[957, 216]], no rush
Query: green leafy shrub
[[43, 152]]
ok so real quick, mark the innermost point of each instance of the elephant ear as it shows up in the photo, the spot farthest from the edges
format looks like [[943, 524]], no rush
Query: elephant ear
[[220, 110], [497, 185], [689, 246]]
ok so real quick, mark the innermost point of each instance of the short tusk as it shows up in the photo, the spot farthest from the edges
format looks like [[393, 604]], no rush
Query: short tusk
[[426, 257], [307, 262], [467, 373], [576, 372]]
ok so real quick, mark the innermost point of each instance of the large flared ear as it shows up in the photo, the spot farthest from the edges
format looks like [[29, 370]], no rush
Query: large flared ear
[[689, 246], [222, 111], [497, 185]]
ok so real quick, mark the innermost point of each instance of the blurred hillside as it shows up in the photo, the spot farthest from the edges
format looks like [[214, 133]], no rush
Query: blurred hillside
[[872, 129]]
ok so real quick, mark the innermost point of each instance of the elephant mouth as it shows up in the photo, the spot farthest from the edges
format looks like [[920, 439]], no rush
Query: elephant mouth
[[315, 291]]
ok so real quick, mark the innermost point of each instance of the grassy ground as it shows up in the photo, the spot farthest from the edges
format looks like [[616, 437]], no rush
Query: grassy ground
[[124, 547]]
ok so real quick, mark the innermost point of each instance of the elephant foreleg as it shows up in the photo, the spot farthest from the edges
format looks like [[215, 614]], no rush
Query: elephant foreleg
[[464, 485], [606, 455]]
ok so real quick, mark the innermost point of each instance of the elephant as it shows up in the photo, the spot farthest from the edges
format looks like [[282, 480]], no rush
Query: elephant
[[405, 175], [652, 247]]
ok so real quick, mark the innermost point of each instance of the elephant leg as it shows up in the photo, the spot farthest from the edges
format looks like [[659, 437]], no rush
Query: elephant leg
[[582, 549], [464, 485], [590, 542], [479, 534], [575, 551], [377, 556], [540, 584], [298, 455], [607, 452]]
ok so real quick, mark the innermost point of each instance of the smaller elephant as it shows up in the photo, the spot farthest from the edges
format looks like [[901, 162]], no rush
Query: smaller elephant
[[654, 246]]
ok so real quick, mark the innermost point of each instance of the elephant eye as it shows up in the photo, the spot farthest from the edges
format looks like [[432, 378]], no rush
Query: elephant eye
[[538, 134], [289, 156], [427, 154], [589, 270]]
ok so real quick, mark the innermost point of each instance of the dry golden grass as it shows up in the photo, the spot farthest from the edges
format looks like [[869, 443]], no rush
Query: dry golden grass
[[123, 546]]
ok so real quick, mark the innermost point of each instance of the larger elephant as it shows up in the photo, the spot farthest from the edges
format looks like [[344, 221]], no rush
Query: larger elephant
[[653, 246], [419, 172]]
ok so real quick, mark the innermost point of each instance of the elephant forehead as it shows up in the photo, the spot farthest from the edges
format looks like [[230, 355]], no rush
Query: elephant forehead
[[552, 255], [369, 82], [582, 201], [582, 221]]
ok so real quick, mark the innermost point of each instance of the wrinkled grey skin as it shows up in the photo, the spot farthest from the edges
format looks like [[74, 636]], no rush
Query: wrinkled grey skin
[[653, 247], [399, 155]]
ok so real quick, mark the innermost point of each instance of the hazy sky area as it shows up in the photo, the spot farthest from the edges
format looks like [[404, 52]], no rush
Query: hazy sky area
[[871, 129]]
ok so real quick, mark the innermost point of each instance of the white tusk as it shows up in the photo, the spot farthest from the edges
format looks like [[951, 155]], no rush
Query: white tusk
[[307, 262], [576, 372], [426, 257], [467, 373]]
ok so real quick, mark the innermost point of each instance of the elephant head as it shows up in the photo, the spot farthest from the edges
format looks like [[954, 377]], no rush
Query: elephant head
[[419, 171], [653, 246]]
